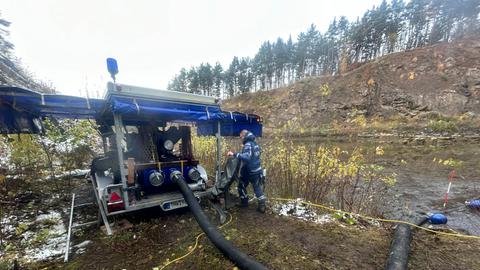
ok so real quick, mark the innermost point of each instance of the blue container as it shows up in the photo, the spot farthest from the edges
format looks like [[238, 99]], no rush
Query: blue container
[[474, 204], [438, 218]]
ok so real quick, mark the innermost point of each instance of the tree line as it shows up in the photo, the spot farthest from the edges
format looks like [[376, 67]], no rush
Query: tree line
[[390, 27], [11, 71]]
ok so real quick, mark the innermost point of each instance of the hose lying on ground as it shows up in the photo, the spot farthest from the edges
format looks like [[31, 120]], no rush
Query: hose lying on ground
[[400, 247], [241, 259]]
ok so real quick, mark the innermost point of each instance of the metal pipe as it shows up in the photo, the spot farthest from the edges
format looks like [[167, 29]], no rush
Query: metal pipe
[[219, 152], [67, 249], [200, 185]]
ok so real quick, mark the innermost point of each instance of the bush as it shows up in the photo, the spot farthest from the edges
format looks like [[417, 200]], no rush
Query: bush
[[325, 175], [319, 174], [442, 126], [66, 145], [205, 150]]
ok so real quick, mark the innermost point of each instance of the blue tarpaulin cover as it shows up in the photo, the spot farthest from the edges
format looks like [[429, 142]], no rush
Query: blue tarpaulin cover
[[22, 109], [168, 111]]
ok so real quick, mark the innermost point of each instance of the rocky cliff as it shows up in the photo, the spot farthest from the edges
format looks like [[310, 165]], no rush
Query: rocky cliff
[[441, 80]]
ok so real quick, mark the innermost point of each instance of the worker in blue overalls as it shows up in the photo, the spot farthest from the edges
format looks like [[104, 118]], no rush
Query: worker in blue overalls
[[252, 171]]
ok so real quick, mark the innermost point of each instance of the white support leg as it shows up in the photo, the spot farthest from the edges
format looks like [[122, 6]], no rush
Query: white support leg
[[119, 139], [67, 249]]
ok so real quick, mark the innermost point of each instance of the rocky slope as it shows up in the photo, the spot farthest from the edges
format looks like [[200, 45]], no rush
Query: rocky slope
[[441, 80]]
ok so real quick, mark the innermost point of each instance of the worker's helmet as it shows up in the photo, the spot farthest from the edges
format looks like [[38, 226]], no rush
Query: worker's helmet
[[243, 133]]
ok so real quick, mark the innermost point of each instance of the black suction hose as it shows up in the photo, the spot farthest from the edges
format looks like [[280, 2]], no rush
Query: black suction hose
[[398, 257], [400, 247], [239, 258]]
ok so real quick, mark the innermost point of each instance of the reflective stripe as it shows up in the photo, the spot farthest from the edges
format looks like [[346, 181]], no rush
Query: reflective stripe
[[258, 169], [244, 194]]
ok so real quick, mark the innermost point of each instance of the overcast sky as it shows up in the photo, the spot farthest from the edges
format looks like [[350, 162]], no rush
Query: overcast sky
[[66, 42]]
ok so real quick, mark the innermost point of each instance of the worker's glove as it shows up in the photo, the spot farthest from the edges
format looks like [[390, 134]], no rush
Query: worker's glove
[[230, 153]]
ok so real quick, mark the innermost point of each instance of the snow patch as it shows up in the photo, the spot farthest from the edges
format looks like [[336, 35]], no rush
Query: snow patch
[[295, 208], [7, 224], [83, 245], [55, 243], [53, 248], [73, 173], [49, 216], [5, 155]]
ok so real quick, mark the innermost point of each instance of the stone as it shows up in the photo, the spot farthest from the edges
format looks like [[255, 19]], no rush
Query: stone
[[473, 73], [449, 62], [83, 244], [422, 108]]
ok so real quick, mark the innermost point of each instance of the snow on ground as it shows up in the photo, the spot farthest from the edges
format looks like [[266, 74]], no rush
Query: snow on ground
[[295, 208], [55, 242], [7, 228], [73, 173], [5, 155], [53, 248], [37, 238], [49, 216], [7, 224], [80, 248]]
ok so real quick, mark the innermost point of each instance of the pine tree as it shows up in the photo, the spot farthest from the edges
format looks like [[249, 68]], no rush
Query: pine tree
[[205, 79], [11, 70], [179, 82], [469, 15], [280, 58], [395, 24], [6, 46], [264, 65], [390, 27], [290, 63], [193, 81], [418, 20], [244, 76], [217, 79], [301, 51], [231, 77]]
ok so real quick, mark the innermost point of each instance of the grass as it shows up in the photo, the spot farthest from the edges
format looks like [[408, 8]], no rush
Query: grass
[[22, 227], [42, 236], [49, 222], [442, 126]]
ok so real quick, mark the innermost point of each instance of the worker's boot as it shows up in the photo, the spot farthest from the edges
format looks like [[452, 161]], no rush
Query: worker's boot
[[261, 206], [243, 203]]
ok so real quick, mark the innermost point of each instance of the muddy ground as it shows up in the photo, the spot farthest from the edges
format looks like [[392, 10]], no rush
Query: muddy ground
[[278, 242]]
